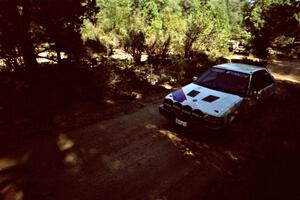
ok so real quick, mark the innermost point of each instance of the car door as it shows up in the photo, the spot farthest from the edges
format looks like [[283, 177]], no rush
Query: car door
[[262, 86]]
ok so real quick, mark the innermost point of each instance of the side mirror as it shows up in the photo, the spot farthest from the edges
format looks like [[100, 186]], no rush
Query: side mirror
[[195, 78]]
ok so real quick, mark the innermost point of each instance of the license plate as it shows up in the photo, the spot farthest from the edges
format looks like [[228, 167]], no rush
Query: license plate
[[180, 122]]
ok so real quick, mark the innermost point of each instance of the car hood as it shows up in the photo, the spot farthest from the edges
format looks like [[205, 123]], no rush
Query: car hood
[[207, 100]]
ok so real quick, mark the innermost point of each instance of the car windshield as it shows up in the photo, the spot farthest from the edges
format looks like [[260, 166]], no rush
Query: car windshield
[[225, 81]]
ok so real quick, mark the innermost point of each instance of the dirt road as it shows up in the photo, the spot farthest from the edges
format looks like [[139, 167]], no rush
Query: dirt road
[[285, 70], [142, 156], [136, 156]]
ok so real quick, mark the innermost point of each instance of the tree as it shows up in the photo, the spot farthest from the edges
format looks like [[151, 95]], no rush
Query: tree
[[135, 44], [177, 26], [236, 10], [14, 31], [26, 25], [268, 20], [208, 29]]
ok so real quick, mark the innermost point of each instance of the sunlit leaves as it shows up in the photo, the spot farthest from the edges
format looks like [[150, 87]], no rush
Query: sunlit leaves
[[271, 20], [205, 24]]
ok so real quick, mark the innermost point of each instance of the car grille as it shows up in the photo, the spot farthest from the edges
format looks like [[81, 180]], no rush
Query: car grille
[[168, 103], [177, 106], [187, 110], [197, 113], [183, 110]]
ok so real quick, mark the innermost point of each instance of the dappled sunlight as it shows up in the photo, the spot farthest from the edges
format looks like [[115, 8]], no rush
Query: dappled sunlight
[[231, 155], [64, 142], [290, 62], [138, 70], [12, 192], [32, 165], [291, 78], [132, 95], [50, 57], [71, 158], [171, 135], [109, 102], [120, 54], [151, 126], [144, 57], [188, 152], [137, 95], [184, 139], [241, 57], [178, 142], [7, 163], [285, 70], [166, 86], [73, 161], [153, 79]]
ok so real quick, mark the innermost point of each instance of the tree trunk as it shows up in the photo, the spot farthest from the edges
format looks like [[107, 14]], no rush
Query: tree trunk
[[58, 55], [28, 52], [26, 43]]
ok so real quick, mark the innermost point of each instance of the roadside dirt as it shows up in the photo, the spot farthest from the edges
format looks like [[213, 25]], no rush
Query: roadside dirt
[[288, 70]]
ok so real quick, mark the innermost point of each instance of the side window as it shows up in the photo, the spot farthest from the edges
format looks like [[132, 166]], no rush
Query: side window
[[260, 80], [255, 82], [267, 79]]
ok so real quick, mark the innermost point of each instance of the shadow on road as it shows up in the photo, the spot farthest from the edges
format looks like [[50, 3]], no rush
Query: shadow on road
[[32, 166], [152, 158]]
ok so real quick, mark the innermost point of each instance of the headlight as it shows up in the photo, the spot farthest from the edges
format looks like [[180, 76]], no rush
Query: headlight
[[197, 113], [177, 106], [187, 110], [168, 103]]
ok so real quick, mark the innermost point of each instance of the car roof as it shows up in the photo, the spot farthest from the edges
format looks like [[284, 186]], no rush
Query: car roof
[[238, 67]]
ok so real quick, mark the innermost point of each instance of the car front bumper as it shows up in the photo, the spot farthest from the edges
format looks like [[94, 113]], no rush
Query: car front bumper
[[191, 122]]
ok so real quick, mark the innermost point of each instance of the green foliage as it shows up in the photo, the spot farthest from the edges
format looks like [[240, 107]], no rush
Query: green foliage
[[208, 30], [135, 44], [169, 26], [154, 27], [270, 20]]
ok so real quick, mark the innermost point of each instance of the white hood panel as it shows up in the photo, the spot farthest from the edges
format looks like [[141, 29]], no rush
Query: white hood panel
[[218, 107]]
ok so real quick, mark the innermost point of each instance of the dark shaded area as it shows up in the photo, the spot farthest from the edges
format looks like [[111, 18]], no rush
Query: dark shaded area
[[37, 105], [48, 89], [275, 176], [29, 27], [270, 166]]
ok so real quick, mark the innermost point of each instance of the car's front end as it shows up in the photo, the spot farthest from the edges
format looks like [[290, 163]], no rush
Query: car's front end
[[197, 106], [192, 121]]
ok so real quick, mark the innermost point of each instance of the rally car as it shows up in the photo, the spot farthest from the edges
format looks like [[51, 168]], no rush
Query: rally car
[[216, 98]]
